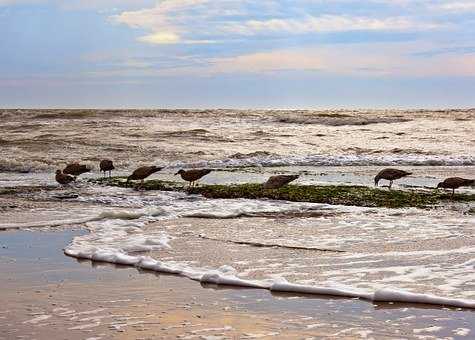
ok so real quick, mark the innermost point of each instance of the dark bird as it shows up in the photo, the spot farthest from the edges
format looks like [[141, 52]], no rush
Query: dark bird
[[276, 182], [390, 175], [455, 183], [142, 173], [63, 179], [193, 175], [76, 169], [106, 165]]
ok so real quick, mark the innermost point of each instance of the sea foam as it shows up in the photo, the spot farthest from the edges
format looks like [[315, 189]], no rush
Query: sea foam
[[222, 276], [116, 240]]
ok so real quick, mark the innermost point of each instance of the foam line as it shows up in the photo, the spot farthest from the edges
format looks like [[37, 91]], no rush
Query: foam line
[[227, 276], [392, 295], [305, 289], [113, 214]]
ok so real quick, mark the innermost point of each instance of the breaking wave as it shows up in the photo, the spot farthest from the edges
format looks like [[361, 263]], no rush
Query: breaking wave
[[270, 160]]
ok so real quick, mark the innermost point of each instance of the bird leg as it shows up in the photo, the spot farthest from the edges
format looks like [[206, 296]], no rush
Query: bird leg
[[453, 192], [390, 184], [110, 173]]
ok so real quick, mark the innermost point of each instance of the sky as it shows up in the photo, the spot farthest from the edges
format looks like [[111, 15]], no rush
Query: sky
[[306, 54]]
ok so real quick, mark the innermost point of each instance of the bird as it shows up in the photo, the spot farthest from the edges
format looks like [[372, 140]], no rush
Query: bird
[[106, 165], [390, 175], [63, 179], [455, 183], [192, 175], [278, 181], [76, 169], [142, 173]]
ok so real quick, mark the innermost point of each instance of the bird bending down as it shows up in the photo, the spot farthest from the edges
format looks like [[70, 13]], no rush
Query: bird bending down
[[63, 179], [142, 173], [76, 169], [278, 181], [455, 183], [106, 165], [390, 175], [192, 175]]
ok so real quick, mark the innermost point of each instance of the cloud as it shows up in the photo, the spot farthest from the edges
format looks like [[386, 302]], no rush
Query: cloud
[[161, 38], [380, 59], [168, 38], [386, 60], [328, 23], [456, 6], [177, 21]]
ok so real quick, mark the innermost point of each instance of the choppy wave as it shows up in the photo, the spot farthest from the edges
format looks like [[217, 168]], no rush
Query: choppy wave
[[272, 160], [42, 140], [334, 160], [336, 119]]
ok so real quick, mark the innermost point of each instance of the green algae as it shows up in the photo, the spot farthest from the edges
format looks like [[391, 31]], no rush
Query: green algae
[[329, 194], [332, 194]]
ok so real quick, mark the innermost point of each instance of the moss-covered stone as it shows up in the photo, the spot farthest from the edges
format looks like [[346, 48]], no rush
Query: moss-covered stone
[[153, 184], [330, 194]]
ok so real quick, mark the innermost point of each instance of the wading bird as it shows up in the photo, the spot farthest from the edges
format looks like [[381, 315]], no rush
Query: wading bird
[[455, 183], [142, 173], [278, 181], [106, 165], [192, 175], [63, 179], [76, 169], [390, 175]]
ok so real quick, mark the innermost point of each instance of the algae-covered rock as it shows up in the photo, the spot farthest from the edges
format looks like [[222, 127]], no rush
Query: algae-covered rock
[[330, 194], [153, 184]]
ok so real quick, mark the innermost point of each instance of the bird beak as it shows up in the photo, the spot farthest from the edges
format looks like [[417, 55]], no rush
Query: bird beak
[[176, 173]]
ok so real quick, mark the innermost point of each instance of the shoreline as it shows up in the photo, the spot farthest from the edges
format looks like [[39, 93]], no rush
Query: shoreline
[[44, 285]]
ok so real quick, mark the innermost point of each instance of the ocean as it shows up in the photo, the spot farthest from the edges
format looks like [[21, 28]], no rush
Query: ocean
[[375, 254]]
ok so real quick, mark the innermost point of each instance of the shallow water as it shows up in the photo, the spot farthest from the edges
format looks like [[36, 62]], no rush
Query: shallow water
[[57, 285], [372, 253]]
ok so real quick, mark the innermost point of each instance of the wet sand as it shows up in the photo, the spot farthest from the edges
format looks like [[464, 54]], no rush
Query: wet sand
[[48, 295]]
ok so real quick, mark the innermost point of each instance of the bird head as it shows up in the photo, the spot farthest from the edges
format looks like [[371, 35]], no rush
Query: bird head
[[440, 185], [179, 172], [58, 172]]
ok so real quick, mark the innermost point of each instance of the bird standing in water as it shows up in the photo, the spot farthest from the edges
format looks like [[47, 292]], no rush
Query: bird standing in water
[[390, 175], [106, 165], [63, 179], [278, 181], [192, 175], [76, 169], [142, 173], [455, 183]]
